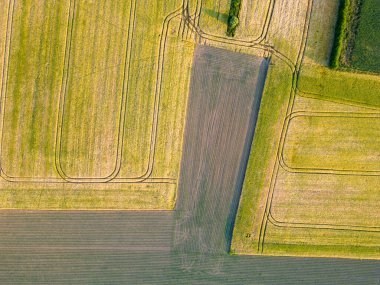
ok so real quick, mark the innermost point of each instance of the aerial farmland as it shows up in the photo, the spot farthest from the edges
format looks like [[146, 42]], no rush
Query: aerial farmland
[[195, 141]]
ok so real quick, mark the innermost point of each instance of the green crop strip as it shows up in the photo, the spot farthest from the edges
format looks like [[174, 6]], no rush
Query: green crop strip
[[233, 17]]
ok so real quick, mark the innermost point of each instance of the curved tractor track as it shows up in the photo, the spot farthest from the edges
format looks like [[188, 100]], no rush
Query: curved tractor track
[[113, 177]]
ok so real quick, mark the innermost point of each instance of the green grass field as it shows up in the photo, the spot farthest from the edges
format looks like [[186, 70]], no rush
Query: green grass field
[[366, 54], [338, 141]]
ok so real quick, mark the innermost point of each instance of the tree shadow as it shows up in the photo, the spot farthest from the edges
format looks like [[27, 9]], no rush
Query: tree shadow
[[223, 17]]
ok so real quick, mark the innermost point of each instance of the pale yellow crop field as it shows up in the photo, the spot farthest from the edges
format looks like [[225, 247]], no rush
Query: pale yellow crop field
[[93, 107], [93, 104], [311, 186], [334, 141]]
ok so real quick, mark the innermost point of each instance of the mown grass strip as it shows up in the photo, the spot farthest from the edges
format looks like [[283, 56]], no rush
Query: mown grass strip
[[233, 17]]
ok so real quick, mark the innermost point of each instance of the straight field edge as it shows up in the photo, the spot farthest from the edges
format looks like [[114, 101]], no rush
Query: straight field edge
[[144, 196], [318, 251]]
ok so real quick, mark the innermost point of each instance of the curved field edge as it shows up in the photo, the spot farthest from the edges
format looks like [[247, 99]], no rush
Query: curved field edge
[[3, 32], [332, 141]]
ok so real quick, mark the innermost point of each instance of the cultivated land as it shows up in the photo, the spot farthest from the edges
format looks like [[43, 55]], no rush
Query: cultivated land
[[225, 94], [366, 53], [311, 182], [89, 102], [93, 112], [132, 247], [213, 15]]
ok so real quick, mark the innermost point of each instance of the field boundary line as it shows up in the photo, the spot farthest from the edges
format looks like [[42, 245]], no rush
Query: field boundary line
[[5, 176], [263, 47], [238, 43], [5, 77], [259, 39]]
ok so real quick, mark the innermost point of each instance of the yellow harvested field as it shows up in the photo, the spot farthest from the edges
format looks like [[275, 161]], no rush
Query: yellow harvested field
[[335, 142], [91, 92], [254, 18], [326, 201]]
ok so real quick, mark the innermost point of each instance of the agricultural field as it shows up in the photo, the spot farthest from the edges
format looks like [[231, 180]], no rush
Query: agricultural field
[[254, 18], [225, 95], [311, 185], [366, 53], [255, 142], [90, 95]]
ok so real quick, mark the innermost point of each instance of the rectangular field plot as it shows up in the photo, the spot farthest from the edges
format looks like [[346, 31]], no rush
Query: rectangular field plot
[[341, 201], [92, 92], [225, 94], [32, 81], [282, 240], [145, 70], [333, 142]]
